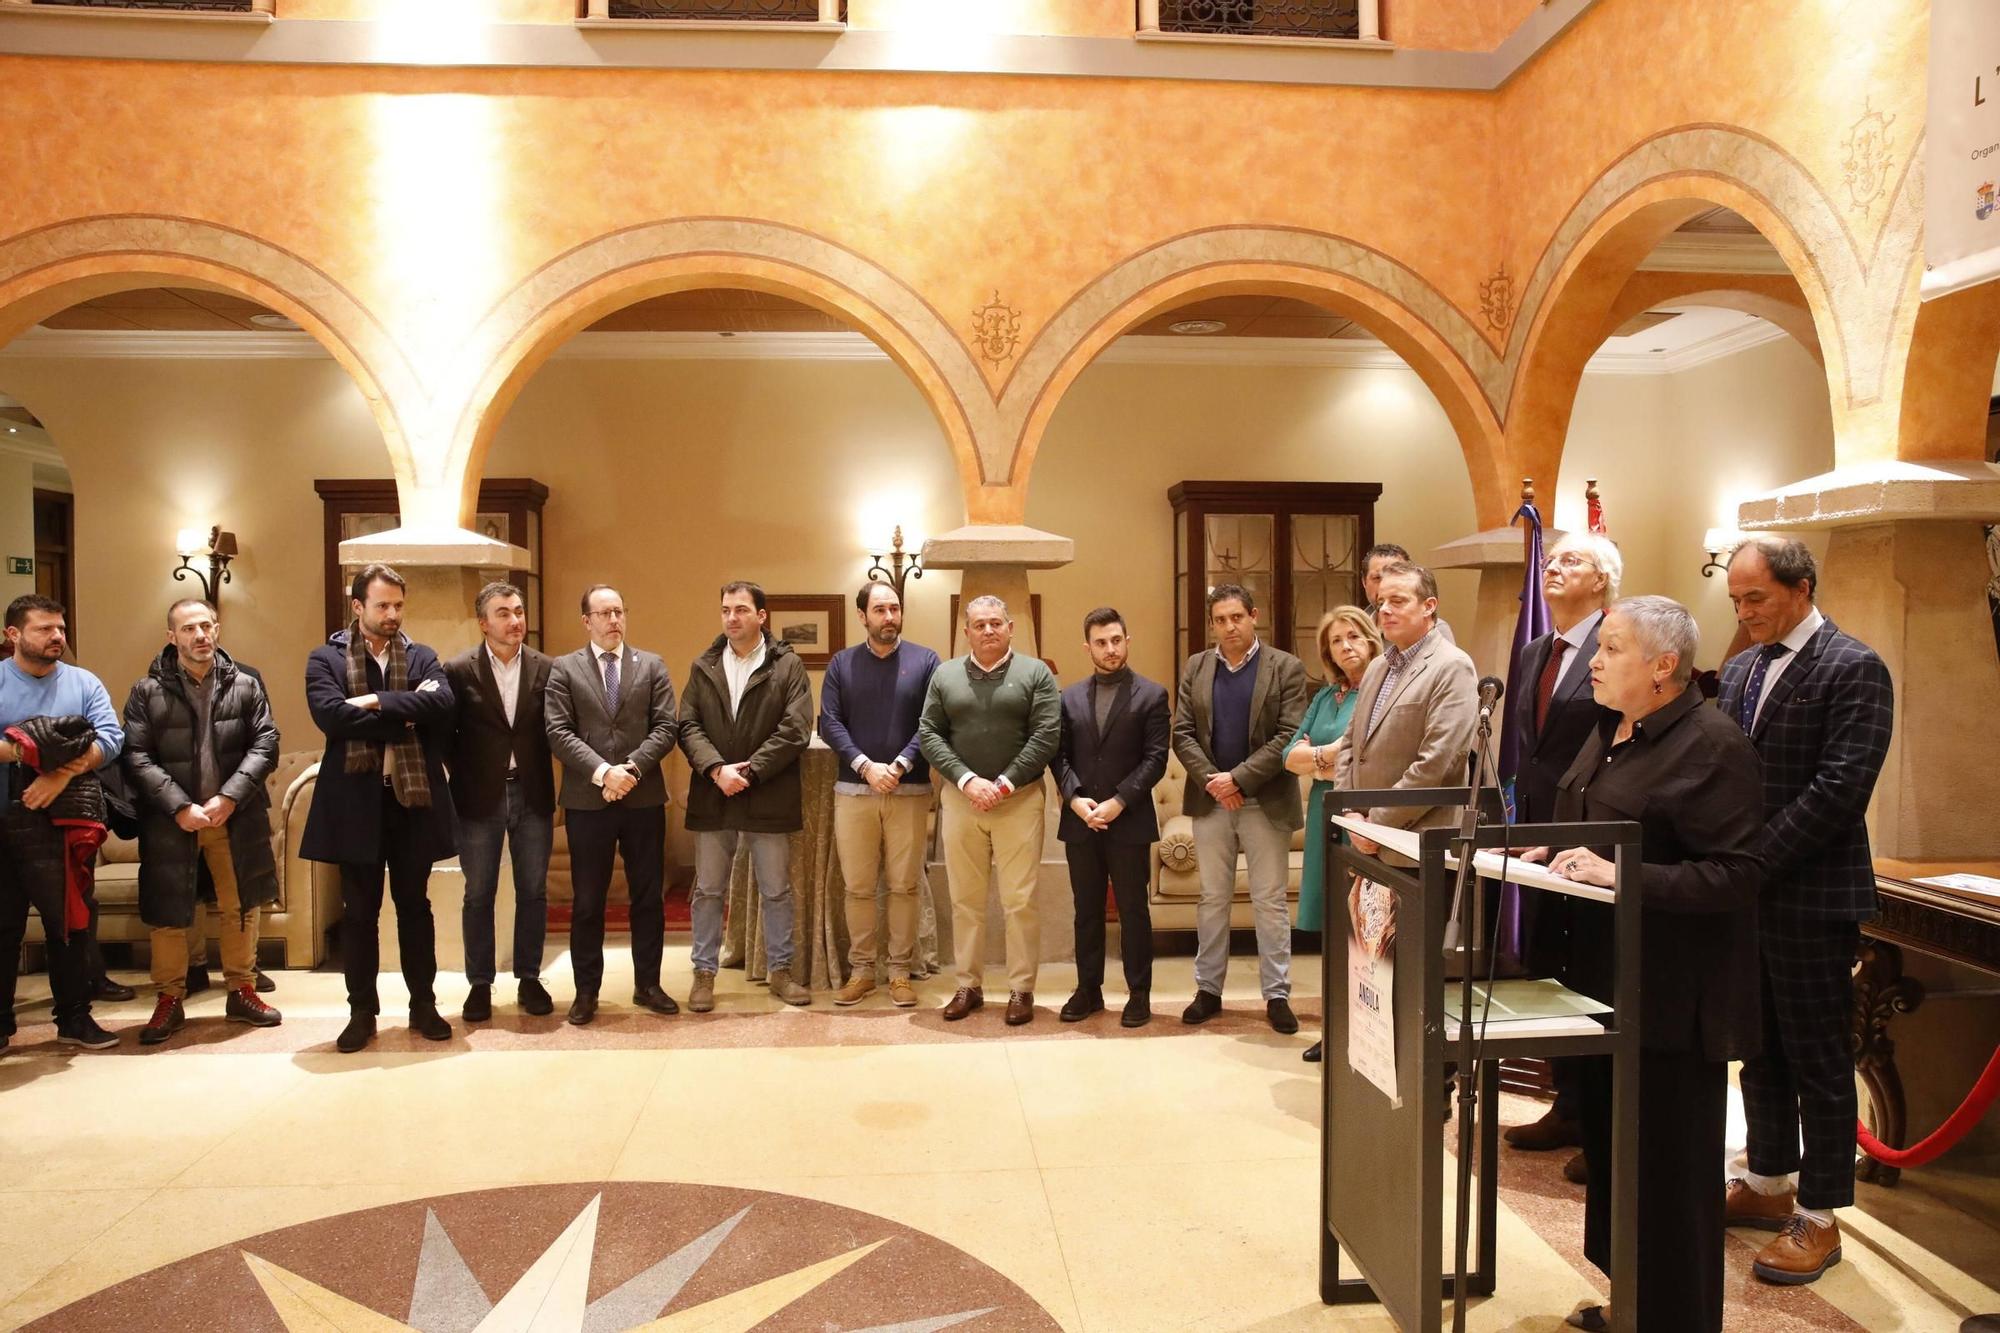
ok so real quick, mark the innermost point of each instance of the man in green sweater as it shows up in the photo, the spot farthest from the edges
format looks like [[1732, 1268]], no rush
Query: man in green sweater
[[991, 724]]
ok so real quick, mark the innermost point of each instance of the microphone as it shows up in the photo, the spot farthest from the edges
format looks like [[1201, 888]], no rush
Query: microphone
[[1490, 690]]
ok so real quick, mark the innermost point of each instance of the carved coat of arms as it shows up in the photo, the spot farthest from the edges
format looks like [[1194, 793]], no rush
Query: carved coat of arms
[[1869, 157], [996, 326], [1496, 299]]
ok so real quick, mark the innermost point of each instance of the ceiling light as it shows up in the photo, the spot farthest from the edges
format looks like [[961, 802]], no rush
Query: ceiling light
[[270, 319], [1197, 326]]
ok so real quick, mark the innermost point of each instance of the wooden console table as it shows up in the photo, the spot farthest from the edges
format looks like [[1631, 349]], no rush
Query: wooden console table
[[1946, 923]]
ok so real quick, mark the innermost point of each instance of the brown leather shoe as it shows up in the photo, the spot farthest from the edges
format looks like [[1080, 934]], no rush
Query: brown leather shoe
[[962, 1002], [1745, 1207], [1545, 1135], [1802, 1251], [1577, 1170], [1020, 1007]]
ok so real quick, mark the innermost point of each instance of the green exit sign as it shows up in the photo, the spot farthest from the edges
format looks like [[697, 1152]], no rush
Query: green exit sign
[[20, 564]]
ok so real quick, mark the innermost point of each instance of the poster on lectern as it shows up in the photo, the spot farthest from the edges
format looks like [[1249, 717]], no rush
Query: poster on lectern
[[1371, 985], [1962, 148]]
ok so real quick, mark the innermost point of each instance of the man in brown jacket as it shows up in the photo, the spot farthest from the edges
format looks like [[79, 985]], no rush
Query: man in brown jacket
[[745, 720], [1419, 705]]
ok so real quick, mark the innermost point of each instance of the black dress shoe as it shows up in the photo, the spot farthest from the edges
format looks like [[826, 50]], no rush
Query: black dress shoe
[[1206, 1005], [107, 989], [582, 1009], [1283, 1020], [360, 1030], [428, 1023], [1313, 1053], [264, 984], [1082, 1005], [479, 1004], [533, 997], [1138, 1010], [197, 980], [652, 997]]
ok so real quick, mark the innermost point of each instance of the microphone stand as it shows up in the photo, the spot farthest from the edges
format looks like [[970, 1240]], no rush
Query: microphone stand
[[1472, 925]]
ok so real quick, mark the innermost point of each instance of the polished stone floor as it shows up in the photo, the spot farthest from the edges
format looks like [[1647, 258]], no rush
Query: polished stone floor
[[886, 1171]]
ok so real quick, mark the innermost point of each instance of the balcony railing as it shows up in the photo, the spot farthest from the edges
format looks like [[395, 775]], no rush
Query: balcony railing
[[723, 11], [1305, 20]]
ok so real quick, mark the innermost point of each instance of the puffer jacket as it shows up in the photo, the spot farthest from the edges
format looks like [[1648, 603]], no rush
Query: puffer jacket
[[159, 763]]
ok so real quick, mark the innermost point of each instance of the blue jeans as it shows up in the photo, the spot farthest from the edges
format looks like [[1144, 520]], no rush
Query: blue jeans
[[528, 836], [771, 866]]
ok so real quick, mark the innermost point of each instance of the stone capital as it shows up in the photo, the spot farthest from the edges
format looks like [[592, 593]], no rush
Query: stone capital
[[431, 547], [1888, 491], [1493, 548], [977, 545]]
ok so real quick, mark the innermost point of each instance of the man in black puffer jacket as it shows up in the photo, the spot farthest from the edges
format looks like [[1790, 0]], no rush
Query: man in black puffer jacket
[[200, 743]]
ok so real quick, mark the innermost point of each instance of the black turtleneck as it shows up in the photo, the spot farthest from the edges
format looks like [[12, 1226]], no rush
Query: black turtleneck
[[1105, 687]]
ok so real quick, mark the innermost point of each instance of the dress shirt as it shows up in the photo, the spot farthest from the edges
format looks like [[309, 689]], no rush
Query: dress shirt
[[507, 677], [1575, 636], [1248, 657], [737, 670], [1795, 643], [1397, 659]]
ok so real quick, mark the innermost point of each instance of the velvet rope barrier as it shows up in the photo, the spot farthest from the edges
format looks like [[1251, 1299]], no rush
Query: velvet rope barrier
[[1946, 1136]]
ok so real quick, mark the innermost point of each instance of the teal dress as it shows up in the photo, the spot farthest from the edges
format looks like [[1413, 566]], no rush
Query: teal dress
[[1325, 722]]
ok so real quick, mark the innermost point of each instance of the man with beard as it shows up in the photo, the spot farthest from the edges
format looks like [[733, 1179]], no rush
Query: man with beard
[[36, 683], [380, 804], [869, 706], [199, 744]]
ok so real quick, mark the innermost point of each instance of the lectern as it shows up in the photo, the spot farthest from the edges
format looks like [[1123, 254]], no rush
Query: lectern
[[1383, 1176]]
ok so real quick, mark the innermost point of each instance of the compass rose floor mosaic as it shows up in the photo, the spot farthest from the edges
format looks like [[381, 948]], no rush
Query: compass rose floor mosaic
[[825, 1171]]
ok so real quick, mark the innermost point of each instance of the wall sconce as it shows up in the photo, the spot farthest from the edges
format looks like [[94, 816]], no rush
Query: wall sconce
[[1720, 543], [900, 565], [218, 546]]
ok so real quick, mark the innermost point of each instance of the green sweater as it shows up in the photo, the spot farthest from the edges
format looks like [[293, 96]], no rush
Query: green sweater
[[1008, 727]]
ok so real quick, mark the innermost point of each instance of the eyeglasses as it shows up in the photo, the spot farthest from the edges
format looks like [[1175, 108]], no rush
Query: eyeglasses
[[614, 613], [1570, 560]]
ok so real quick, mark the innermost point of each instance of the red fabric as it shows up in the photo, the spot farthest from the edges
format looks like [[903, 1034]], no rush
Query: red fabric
[[1946, 1136], [1596, 516], [1545, 684], [24, 745], [81, 840]]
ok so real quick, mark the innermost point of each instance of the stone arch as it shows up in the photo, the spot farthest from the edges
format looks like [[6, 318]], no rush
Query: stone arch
[[47, 269], [1772, 297], [576, 288], [1379, 293], [1857, 284]]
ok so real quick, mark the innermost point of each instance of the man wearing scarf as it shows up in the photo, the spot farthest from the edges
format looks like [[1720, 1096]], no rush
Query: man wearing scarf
[[380, 804], [59, 726]]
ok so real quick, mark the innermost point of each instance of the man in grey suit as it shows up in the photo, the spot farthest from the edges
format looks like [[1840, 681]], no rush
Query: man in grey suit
[[1417, 709], [611, 724], [1238, 706]]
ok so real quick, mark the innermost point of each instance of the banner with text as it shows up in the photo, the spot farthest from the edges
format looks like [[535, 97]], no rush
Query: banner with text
[[1962, 155]]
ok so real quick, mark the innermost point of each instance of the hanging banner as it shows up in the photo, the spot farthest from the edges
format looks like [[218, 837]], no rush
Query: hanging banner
[[1962, 148]]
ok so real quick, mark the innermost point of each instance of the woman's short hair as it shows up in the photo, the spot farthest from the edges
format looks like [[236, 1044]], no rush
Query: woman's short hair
[[1356, 617], [1662, 625]]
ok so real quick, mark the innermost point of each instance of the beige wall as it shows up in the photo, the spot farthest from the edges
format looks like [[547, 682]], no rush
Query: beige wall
[[17, 521], [1673, 454], [668, 476]]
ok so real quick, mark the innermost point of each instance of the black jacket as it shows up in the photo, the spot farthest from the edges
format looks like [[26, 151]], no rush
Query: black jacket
[[772, 727], [482, 741], [1125, 760], [1690, 779], [345, 822], [159, 764]]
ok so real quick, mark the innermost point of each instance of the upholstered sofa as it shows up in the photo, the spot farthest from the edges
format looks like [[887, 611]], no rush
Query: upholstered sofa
[[308, 893], [1176, 882]]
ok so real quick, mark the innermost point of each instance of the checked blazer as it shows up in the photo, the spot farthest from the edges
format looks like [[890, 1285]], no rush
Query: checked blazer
[[1823, 734]]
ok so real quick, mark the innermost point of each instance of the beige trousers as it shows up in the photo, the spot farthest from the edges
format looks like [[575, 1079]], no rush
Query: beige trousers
[[880, 837], [1006, 839], [239, 928]]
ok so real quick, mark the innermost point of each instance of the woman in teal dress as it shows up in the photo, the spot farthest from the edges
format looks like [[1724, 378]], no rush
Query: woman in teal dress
[[1348, 642]]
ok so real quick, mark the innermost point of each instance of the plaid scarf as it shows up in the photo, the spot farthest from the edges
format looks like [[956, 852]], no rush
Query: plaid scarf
[[407, 776]]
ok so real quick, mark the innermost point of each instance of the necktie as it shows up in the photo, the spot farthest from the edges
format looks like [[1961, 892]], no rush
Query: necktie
[[1545, 687], [611, 681], [1753, 689]]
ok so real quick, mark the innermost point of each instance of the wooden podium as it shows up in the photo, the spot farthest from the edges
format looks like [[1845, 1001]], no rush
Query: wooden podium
[[1383, 1177]]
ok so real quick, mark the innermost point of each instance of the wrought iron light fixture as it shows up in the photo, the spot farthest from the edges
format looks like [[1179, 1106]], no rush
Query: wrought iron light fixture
[[896, 567], [1720, 543], [218, 546]]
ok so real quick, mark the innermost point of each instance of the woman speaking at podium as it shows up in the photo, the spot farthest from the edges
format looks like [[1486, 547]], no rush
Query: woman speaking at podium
[[1687, 775]]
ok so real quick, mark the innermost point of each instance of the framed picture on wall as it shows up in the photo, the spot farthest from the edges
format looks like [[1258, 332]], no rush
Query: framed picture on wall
[[814, 624], [1034, 617]]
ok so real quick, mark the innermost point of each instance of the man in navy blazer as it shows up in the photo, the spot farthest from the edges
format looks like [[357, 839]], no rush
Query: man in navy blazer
[[1551, 722], [1819, 707], [1113, 750], [380, 803]]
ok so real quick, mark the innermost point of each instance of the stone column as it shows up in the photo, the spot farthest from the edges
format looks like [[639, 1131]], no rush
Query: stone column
[[995, 559], [1906, 574], [1488, 632]]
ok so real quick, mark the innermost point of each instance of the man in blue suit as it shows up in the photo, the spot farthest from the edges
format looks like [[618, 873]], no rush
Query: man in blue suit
[[381, 804], [1819, 707]]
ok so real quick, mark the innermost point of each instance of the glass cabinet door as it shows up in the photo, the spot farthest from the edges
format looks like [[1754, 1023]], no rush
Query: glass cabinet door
[[1325, 551], [1240, 550]]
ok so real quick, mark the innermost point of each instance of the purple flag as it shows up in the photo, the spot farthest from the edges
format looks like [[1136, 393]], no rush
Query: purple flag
[[1533, 622]]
